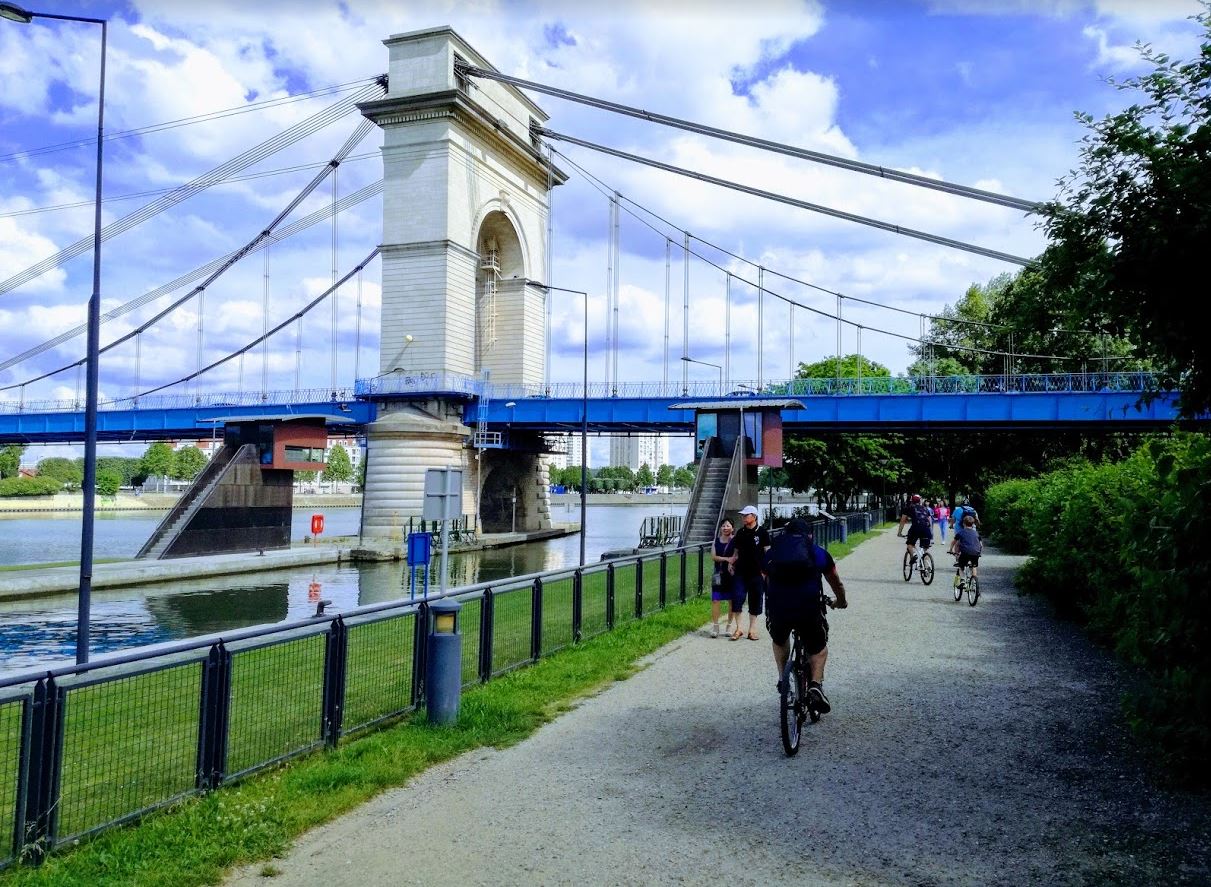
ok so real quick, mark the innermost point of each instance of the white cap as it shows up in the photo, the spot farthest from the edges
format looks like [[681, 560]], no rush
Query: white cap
[[750, 509]]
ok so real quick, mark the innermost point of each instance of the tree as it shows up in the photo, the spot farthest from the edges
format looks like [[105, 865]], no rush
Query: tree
[[187, 463], [10, 459], [66, 471], [109, 482], [827, 368], [339, 467], [664, 476], [1132, 220], [158, 460], [683, 478], [644, 477]]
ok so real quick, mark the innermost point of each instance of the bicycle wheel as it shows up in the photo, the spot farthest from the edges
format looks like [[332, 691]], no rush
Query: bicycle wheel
[[907, 565], [958, 583], [791, 703], [927, 568], [973, 590]]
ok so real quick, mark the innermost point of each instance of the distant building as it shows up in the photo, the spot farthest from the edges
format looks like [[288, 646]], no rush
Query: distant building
[[567, 451], [636, 450]]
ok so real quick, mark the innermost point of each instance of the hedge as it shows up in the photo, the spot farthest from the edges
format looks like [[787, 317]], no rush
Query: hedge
[[1123, 547]]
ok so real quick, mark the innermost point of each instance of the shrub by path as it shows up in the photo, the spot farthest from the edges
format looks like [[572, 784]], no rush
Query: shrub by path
[[966, 745]]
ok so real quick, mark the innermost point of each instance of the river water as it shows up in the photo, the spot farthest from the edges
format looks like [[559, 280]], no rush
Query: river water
[[37, 632]]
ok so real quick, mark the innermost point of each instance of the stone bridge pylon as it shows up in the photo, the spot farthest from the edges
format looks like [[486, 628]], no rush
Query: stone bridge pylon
[[464, 228]]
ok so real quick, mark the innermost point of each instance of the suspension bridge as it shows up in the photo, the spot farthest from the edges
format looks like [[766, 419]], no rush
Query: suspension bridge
[[465, 329]]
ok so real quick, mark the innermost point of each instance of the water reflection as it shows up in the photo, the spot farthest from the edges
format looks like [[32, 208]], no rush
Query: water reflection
[[34, 633]]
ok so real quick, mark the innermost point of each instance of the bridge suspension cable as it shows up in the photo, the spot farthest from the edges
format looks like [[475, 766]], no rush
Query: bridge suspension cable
[[298, 315], [346, 202], [604, 189], [287, 137], [360, 131], [764, 144], [790, 201]]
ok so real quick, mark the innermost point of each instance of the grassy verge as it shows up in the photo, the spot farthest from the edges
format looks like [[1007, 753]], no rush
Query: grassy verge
[[197, 841]]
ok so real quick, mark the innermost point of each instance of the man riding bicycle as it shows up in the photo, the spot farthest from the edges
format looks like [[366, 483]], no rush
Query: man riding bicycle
[[920, 525], [793, 599]]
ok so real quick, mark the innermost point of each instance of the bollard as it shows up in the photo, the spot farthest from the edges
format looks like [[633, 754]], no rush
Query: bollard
[[866, 522], [844, 530], [443, 662]]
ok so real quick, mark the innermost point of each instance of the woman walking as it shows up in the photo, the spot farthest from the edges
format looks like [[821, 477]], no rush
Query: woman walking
[[940, 515], [723, 579]]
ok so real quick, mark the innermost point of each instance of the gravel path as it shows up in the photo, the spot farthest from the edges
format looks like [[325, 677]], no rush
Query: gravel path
[[965, 746]]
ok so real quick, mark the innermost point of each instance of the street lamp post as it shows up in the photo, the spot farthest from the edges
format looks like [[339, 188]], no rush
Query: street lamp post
[[584, 410], [15, 13], [708, 364]]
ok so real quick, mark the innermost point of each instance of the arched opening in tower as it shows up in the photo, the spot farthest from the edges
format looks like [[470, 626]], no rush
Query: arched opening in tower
[[500, 259], [502, 507]]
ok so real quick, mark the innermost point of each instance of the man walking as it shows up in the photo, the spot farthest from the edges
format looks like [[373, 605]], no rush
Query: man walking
[[751, 544]]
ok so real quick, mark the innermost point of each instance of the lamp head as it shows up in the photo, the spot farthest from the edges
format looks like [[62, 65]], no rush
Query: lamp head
[[511, 404], [408, 340], [15, 13]]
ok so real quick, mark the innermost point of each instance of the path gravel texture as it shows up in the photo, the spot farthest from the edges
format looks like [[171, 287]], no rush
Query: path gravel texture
[[967, 745]]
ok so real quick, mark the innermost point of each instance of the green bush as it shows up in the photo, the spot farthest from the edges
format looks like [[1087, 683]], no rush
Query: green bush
[[1006, 506], [29, 486], [1122, 547]]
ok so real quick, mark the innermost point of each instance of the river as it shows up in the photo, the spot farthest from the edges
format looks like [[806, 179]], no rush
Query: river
[[35, 633]]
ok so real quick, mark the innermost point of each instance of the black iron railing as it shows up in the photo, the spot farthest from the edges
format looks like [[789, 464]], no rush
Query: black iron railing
[[84, 748]]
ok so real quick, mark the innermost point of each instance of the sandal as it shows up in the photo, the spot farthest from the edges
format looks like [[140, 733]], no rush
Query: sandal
[[753, 637], [737, 634]]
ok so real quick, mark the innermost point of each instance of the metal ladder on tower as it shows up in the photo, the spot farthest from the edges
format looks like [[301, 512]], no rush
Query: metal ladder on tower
[[483, 439]]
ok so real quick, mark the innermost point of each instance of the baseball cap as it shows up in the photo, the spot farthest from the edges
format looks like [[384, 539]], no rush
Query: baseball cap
[[916, 497], [750, 509]]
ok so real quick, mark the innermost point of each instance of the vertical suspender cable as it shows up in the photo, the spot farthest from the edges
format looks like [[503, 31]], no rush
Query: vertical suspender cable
[[76, 404], [858, 332], [760, 326], [790, 359], [546, 294], [727, 332], [265, 328], [838, 337], [357, 334], [335, 292], [138, 366], [298, 351], [668, 263], [201, 320], [239, 378], [609, 289], [685, 322], [617, 279]]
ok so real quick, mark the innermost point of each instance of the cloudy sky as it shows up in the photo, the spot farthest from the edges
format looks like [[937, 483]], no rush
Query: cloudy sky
[[979, 92]]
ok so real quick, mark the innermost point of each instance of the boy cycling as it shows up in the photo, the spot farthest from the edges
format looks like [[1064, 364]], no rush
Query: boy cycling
[[920, 521], [967, 545]]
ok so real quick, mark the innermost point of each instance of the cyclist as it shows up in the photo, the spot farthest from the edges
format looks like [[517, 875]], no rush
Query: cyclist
[[920, 525], [956, 517], [794, 567], [967, 545]]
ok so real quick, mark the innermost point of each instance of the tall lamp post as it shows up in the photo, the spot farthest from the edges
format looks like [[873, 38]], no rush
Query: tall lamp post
[[15, 13], [584, 409], [708, 364]]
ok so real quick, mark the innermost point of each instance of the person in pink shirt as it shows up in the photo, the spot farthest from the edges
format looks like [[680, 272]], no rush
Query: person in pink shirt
[[940, 515]]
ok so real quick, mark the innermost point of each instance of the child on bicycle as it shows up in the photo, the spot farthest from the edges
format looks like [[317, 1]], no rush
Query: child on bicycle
[[967, 546]]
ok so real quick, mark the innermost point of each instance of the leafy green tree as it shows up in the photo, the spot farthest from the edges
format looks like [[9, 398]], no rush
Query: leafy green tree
[[158, 461], [1132, 219], [109, 482], [644, 477], [683, 478], [306, 477], [361, 475], [66, 471], [849, 364], [10, 460], [339, 467], [664, 476], [187, 463]]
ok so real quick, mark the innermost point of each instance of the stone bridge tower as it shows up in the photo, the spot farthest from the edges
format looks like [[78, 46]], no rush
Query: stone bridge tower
[[464, 227]]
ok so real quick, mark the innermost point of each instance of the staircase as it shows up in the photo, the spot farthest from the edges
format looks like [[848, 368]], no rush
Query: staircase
[[191, 500], [710, 490]]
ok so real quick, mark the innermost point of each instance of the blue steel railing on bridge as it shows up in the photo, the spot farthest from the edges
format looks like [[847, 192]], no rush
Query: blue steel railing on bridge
[[183, 401], [455, 384]]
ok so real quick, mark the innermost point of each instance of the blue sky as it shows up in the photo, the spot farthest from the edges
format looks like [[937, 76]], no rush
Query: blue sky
[[981, 93]]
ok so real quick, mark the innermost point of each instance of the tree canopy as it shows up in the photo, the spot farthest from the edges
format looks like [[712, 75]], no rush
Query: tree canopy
[[10, 460], [339, 466]]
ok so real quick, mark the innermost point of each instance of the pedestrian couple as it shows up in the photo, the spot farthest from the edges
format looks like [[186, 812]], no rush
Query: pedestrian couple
[[739, 556]]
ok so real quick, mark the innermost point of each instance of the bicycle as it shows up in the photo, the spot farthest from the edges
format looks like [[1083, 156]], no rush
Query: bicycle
[[924, 564], [967, 581], [795, 706]]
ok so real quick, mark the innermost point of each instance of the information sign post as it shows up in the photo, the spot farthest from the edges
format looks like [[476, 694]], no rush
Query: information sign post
[[443, 493]]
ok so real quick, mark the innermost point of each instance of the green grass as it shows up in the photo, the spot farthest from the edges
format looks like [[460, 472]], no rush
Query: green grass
[[196, 841]]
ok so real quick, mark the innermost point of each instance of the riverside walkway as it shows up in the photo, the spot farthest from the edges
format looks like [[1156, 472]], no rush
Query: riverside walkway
[[966, 746]]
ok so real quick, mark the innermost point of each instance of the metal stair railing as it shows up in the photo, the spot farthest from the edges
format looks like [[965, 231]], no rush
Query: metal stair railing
[[708, 448], [210, 475]]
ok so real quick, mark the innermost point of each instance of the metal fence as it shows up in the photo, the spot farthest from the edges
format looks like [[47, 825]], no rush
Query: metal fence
[[85, 748]]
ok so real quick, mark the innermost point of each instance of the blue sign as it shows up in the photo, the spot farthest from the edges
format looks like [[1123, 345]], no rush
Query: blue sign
[[420, 549]]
